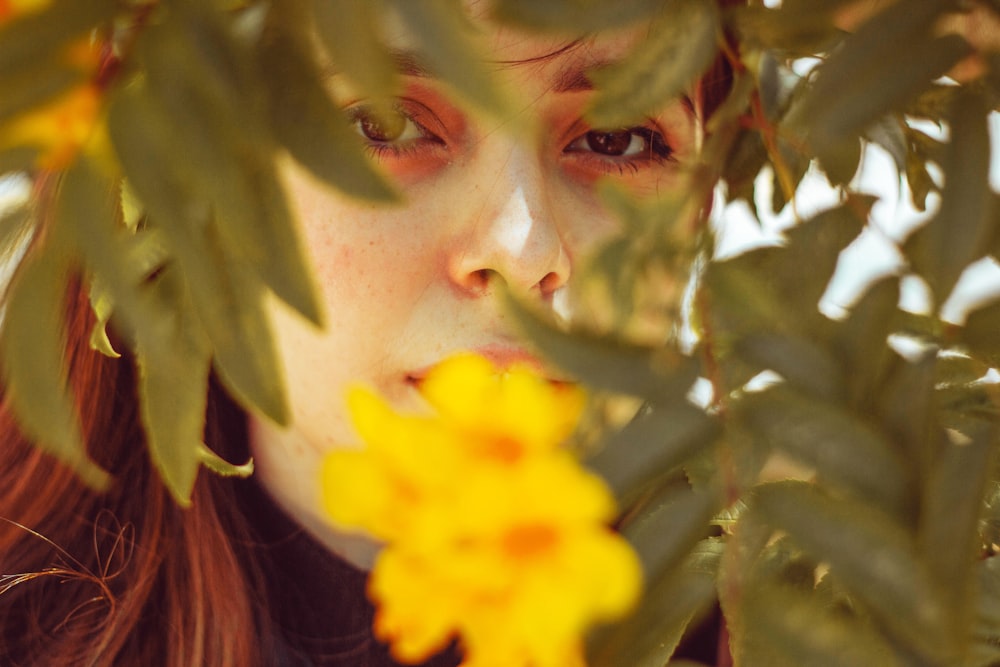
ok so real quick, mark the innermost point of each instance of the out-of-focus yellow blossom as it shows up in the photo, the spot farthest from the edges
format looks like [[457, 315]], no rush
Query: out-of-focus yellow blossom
[[510, 414], [494, 533], [11, 9], [69, 123], [60, 129]]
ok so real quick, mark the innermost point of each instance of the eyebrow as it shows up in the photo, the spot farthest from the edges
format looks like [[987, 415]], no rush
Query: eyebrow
[[575, 77], [572, 78], [408, 63], [405, 63]]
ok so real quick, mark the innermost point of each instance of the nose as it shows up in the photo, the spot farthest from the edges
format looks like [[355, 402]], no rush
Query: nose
[[513, 234]]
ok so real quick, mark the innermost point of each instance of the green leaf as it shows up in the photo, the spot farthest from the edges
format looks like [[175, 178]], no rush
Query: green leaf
[[889, 133], [959, 233], [138, 129], [90, 225], [17, 225], [948, 536], [962, 407], [880, 68], [212, 132], [682, 44], [957, 369], [308, 124], [34, 37], [172, 351], [934, 103], [173, 357], [921, 149], [986, 650], [231, 305], [574, 17], [783, 564], [226, 294], [356, 53], [787, 628], [873, 557], [743, 297], [989, 525], [905, 407], [667, 527], [819, 241], [766, 289], [840, 160], [19, 159], [651, 634], [33, 85], [776, 84], [32, 346], [221, 467], [844, 450], [802, 363], [861, 340], [658, 375], [803, 28], [445, 38], [651, 446], [609, 279], [795, 163], [979, 334], [229, 302], [103, 306], [746, 160]]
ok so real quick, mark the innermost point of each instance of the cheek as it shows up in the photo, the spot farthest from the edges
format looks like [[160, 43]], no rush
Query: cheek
[[585, 219], [370, 276], [357, 250]]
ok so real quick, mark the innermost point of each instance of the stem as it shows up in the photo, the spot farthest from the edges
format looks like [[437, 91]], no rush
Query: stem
[[770, 137]]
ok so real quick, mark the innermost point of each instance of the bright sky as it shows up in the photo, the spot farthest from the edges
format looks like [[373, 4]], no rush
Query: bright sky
[[873, 254]]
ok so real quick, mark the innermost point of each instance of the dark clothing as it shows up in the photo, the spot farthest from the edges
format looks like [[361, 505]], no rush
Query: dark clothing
[[323, 593], [333, 616]]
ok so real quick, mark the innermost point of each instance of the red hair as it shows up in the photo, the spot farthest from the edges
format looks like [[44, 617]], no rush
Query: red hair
[[124, 577]]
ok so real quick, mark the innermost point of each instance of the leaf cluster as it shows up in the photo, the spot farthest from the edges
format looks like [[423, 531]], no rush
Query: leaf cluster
[[836, 496], [835, 493]]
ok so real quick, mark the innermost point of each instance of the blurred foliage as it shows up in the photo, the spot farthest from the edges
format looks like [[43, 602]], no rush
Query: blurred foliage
[[884, 556]]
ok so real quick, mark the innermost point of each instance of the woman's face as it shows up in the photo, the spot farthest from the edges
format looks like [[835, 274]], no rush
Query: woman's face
[[407, 285]]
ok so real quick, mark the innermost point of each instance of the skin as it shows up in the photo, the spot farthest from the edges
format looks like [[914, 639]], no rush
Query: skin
[[409, 285]]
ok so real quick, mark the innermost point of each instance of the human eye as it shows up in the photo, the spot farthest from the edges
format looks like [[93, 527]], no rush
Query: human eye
[[395, 133], [621, 149]]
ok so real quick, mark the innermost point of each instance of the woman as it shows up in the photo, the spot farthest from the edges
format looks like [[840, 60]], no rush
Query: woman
[[253, 574]]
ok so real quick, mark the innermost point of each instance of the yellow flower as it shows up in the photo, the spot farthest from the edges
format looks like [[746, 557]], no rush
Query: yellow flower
[[62, 127], [11, 9], [494, 533], [510, 414], [59, 129]]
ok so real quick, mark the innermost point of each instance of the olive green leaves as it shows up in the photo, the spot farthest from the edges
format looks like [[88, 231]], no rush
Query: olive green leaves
[[680, 45], [831, 483]]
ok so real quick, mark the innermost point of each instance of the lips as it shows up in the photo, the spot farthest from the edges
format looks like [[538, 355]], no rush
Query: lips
[[502, 357]]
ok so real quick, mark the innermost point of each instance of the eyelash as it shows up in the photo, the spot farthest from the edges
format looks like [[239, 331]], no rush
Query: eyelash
[[393, 147], [656, 149]]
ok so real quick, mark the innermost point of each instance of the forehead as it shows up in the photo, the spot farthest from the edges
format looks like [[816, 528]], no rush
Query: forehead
[[563, 59]]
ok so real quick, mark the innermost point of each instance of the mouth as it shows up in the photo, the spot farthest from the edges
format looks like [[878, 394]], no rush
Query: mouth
[[503, 359]]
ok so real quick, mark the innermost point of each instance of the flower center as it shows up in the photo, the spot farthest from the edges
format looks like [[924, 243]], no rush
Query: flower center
[[502, 448], [529, 540]]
